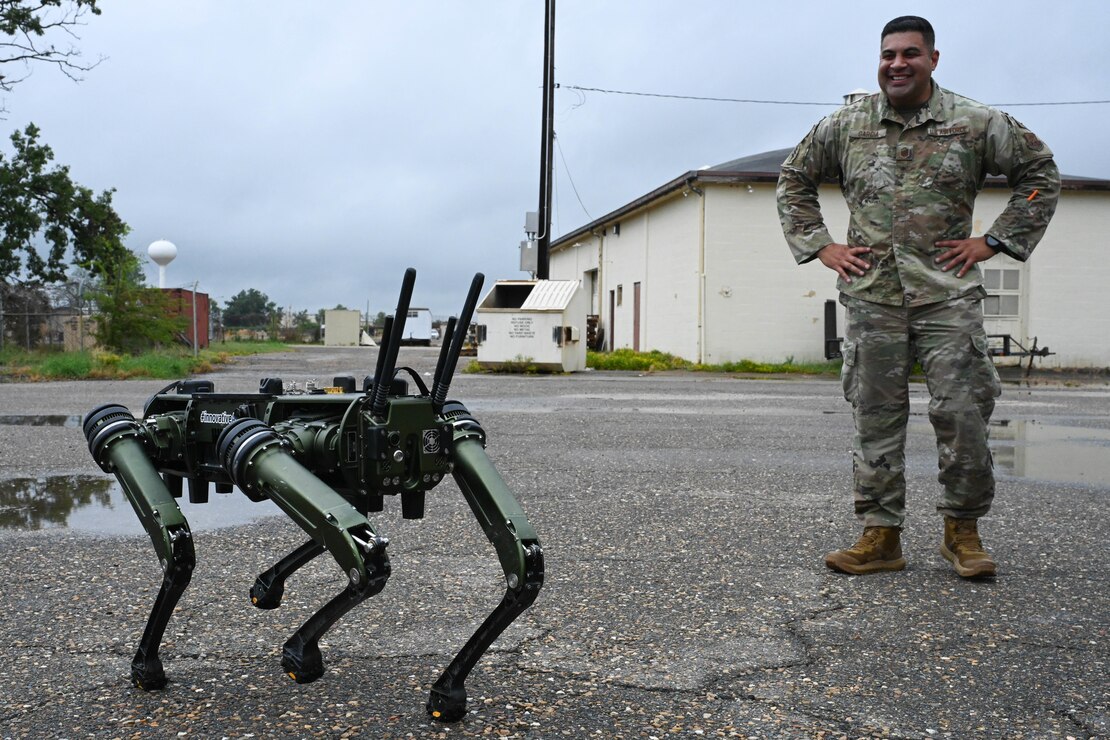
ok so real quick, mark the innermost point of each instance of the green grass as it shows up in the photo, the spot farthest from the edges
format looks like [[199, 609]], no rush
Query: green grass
[[38, 365], [626, 359], [655, 361]]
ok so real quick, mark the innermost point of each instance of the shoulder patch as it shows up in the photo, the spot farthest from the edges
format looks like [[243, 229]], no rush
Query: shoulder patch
[[1033, 142]]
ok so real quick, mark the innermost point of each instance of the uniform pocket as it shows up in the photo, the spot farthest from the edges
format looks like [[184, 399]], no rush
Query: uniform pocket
[[984, 375], [848, 373]]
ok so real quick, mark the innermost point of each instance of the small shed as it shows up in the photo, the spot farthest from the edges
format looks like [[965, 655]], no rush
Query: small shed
[[341, 328], [536, 322]]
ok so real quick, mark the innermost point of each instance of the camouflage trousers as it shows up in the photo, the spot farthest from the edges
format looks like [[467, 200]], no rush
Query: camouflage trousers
[[880, 347]]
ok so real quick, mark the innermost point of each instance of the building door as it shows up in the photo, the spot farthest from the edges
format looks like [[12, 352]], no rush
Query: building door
[[589, 278], [636, 317], [612, 319], [1006, 304]]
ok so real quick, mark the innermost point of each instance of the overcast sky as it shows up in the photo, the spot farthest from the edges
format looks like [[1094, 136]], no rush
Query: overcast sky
[[315, 150]]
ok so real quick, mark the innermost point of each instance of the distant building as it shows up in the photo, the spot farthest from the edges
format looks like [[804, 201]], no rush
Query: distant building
[[181, 304], [699, 268], [342, 327]]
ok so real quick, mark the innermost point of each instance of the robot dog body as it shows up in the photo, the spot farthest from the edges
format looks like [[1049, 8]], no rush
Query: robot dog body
[[326, 459]]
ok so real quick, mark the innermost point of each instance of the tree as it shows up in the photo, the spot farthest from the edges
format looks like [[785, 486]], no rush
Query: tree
[[132, 317], [29, 302], [249, 308], [303, 328], [42, 205], [29, 27]]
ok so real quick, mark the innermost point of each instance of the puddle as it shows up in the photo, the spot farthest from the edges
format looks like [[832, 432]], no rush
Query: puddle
[[1050, 452], [69, 421], [96, 504], [1046, 452]]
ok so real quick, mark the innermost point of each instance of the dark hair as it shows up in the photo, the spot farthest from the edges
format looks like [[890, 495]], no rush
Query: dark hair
[[904, 23]]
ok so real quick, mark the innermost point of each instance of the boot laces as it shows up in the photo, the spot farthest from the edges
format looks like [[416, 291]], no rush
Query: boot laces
[[870, 539], [965, 537], [870, 536]]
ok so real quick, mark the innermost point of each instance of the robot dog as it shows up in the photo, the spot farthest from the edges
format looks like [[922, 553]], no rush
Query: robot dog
[[327, 458]]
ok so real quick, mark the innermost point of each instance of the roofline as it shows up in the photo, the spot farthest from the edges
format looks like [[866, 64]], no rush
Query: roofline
[[726, 177], [681, 182]]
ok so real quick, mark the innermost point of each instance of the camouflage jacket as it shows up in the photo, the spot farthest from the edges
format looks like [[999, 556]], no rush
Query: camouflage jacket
[[910, 185]]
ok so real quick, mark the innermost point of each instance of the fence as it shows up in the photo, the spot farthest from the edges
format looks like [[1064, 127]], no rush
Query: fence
[[65, 331]]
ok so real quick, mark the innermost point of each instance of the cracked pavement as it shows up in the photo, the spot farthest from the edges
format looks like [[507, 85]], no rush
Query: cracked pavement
[[684, 519]]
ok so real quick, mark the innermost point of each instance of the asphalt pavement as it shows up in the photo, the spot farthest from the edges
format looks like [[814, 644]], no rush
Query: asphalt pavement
[[684, 518]]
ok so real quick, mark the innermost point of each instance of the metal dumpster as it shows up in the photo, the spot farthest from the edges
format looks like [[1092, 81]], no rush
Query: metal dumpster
[[541, 323]]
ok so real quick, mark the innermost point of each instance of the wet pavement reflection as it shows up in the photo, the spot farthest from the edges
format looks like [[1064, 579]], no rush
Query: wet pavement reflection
[[97, 504], [1051, 452]]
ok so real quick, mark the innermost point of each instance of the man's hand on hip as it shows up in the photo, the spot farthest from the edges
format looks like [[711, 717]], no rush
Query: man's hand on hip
[[964, 252], [844, 259]]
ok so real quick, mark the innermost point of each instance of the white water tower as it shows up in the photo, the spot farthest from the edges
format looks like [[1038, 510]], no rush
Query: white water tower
[[162, 252]]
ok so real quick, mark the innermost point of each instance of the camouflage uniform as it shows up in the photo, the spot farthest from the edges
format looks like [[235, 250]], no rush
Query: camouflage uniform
[[909, 185]]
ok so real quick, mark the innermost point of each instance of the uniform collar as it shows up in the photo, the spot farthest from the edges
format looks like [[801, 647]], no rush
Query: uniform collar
[[936, 109]]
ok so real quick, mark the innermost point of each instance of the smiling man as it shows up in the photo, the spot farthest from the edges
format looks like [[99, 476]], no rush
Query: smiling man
[[910, 162]]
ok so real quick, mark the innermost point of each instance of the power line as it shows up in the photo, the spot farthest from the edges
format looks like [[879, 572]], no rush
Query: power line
[[689, 97], [572, 185], [787, 102], [1063, 102]]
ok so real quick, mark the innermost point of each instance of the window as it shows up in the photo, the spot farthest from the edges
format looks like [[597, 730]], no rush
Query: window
[[620, 295], [1003, 293]]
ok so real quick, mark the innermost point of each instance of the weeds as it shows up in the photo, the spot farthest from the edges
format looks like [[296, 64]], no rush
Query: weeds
[[627, 359], [655, 361], [38, 365]]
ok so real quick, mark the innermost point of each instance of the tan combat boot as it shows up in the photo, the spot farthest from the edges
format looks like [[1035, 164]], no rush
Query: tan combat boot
[[963, 548], [879, 549]]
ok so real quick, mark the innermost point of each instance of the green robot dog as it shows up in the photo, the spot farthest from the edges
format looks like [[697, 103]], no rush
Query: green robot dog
[[327, 460]]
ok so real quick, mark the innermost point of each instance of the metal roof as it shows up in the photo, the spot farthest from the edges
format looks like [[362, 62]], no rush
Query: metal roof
[[763, 167], [765, 163], [550, 295]]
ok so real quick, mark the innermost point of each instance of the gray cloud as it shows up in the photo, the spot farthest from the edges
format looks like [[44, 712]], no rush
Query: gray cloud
[[315, 151]]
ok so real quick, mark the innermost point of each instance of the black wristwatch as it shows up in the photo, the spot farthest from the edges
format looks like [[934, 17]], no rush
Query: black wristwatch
[[993, 243]]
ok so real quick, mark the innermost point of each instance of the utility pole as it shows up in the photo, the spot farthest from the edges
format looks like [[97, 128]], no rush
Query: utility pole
[[196, 340], [547, 140]]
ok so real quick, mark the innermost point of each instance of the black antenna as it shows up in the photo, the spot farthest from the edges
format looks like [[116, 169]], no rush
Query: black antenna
[[444, 350], [450, 358], [384, 377], [387, 328]]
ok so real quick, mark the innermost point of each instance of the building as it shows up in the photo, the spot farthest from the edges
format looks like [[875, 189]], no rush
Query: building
[[699, 268], [194, 308], [342, 327]]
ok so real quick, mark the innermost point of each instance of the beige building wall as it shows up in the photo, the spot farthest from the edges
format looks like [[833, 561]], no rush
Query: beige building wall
[[760, 304], [1065, 302], [341, 328], [718, 283], [669, 316]]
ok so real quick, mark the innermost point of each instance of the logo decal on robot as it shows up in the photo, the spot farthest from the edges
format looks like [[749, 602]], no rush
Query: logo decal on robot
[[431, 441], [224, 418]]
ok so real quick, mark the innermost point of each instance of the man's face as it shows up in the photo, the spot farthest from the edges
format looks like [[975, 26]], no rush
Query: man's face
[[906, 67]]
